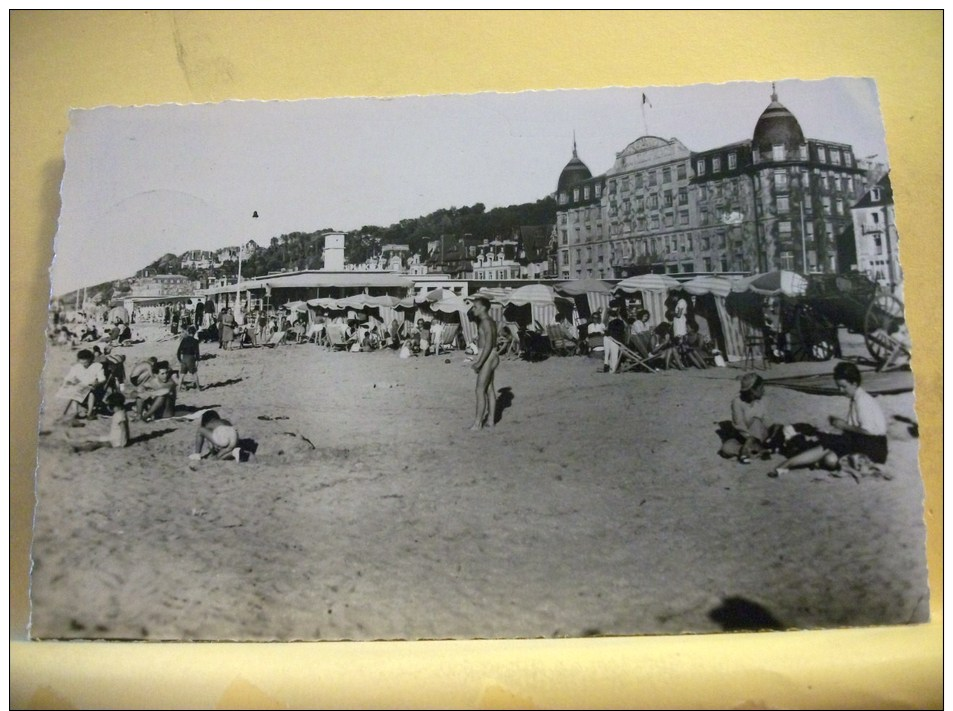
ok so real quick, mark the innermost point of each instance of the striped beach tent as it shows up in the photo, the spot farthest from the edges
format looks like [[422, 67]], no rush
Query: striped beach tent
[[497, 297], [453, 304], [777, 283], [654, 288], [590, 295], [731, 325], [543, 302]]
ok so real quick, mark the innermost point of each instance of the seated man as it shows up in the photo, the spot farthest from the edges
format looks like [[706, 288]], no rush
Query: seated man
[[156, 397]]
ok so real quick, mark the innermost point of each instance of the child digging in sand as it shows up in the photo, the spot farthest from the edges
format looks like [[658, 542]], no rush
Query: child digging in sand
[[485, 366], [220, 436]]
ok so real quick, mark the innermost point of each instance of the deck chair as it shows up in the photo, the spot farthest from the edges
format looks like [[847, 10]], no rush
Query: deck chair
[[277, 338], [336, 338], [756, 348], [448, 337], [560, 341], [631, 360]]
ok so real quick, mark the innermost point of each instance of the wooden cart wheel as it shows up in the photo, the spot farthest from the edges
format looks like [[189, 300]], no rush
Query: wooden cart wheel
[[885, 332]]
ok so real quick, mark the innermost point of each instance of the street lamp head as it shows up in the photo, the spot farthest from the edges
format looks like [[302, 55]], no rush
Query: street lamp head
[[255, 214]]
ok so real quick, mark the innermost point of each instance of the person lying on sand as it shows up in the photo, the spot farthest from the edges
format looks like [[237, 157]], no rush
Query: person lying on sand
[[862, 435], [220, 436]]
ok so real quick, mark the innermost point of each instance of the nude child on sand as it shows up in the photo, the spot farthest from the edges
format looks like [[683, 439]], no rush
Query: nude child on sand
[[485, 366]]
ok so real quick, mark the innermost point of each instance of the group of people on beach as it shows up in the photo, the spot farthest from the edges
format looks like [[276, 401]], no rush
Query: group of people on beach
[[98, 383], [859, 440]]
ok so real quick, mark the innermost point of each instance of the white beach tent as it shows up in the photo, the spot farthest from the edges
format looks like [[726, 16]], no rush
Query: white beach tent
[[595, 294]]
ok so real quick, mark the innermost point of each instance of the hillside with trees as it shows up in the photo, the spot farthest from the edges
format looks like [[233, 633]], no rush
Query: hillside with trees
[[303, 250]]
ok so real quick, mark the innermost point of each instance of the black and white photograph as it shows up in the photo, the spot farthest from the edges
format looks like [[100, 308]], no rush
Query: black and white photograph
[[549, 364]]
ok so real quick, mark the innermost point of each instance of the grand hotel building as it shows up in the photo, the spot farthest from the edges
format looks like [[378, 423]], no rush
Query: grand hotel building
[[777, 201]]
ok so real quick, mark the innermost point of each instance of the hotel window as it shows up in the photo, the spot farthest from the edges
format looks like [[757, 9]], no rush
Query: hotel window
[[639, 204], [585, 192], [598, 189], [732, 161], [669, 220], [783, 204], [653, 202], [563, 198], [638, 181], [878, 244], [653, 223], [848, 160], [653, 178], [780, 180], [680, 171], [784, 227], [700, 167], [683, 196], [821, 154], [715, 164], [787, 261], [839, 207], [826, 204], [802, 151], [565, 237], [835, 156], [688, 241], [578, 254], [575, 194], [683, 217], [666, 175], [875, 218], [825, 181], [704, 243], [667, 197], [777, 151], [875, 195]]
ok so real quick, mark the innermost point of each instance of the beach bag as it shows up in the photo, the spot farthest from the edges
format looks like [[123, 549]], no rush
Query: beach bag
[[718, 358]]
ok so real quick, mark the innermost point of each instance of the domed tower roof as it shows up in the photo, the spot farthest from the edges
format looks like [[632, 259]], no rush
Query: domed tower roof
[[777, 125], [574, 173]]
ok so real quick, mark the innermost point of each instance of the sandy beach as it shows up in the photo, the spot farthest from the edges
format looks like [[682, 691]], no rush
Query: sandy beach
[[597, 506]]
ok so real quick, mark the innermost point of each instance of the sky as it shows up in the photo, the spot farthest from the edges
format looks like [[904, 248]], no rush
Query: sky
[[144, 181]]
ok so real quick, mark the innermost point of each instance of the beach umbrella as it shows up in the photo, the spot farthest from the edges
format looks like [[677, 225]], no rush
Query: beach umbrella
[[119, 312], [708, 284], [647, 282], [295, 306], [780, 282]]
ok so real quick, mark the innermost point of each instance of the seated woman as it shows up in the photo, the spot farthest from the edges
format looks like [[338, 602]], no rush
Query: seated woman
[[508, 343], [80, 386], [749, 431], [862, 435], [663, 343], [692, 347], [640, 334]]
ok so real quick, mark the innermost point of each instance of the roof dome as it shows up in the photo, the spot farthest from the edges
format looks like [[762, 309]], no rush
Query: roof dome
[[574, 173], [777, 125]]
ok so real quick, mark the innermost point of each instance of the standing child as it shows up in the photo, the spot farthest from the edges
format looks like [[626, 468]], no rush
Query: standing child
[[188, 357], [485, 366]]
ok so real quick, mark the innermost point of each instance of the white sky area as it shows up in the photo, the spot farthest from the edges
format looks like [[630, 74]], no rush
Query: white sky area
[[144, 181]]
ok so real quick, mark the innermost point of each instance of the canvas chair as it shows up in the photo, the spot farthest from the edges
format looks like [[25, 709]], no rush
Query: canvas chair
[[277, 338], [560, 341], [336, 338], [448, 337], [631, 360]]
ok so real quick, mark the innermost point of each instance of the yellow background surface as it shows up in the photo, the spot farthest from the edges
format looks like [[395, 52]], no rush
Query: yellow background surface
[[60, 60]]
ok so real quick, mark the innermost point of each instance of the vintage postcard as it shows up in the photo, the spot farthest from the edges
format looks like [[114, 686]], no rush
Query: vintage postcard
[[629, 361]]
